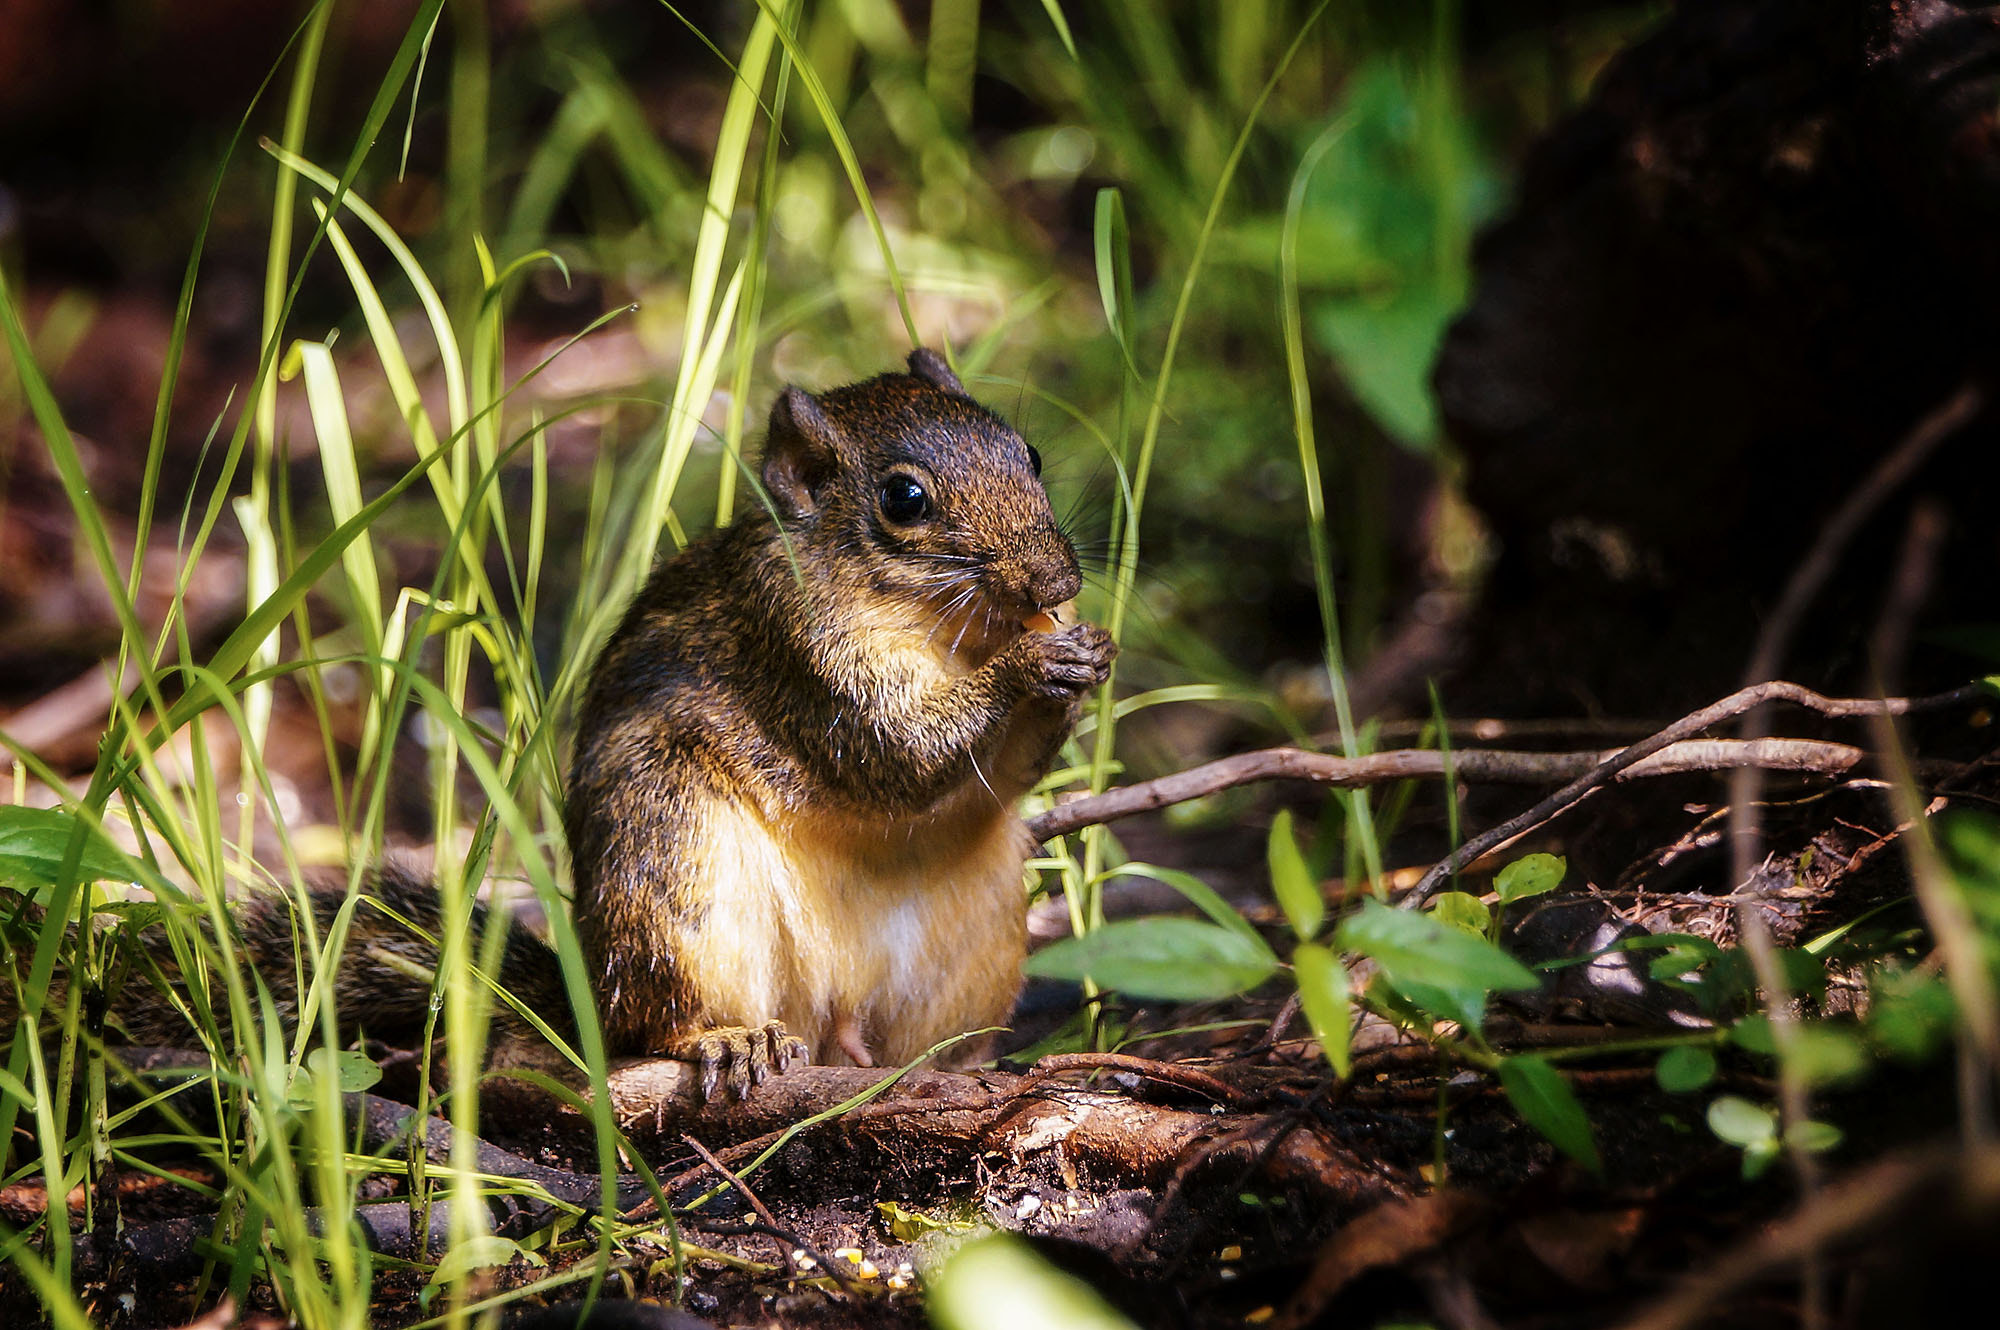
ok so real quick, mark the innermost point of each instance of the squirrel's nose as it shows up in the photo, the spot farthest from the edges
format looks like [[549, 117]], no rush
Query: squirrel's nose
[[1051, 586]]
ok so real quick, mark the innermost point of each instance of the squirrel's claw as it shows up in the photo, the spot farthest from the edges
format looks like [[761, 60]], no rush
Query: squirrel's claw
[[1064, 666], [790, 1050], [742, 1057]]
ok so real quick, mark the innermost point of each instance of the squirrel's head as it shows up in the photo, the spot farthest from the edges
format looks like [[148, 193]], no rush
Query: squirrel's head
[[906, 484]]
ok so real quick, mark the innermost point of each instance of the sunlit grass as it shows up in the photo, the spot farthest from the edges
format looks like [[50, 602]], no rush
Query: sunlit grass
[[783, 253]]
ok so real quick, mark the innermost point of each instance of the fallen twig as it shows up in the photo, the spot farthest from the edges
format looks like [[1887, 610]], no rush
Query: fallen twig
[[989, 1114], [1688, 726], [788, 1241], [1169, 1073], [1475, 765]]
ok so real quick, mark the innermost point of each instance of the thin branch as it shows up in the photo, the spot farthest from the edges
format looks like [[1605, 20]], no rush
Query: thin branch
[[788, 1241], [1479, 766], [1736, 704], [1168, 1073]]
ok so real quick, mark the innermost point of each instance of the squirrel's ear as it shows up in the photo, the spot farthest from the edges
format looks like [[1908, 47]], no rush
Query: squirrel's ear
[[929, 366], [801, 453]]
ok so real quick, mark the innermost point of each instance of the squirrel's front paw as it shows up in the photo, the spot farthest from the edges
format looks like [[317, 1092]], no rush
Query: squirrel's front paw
[[1064, 666], [741, 1056]]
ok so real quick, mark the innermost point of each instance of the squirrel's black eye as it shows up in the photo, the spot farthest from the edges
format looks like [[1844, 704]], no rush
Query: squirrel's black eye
[[905, 501], [1035, 458]]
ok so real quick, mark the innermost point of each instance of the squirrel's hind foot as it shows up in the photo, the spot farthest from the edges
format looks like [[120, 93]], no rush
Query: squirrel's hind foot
[[742, 1057]]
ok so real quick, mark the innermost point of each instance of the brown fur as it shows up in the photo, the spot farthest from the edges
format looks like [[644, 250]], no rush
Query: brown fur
[[792, 795], [797, 761]]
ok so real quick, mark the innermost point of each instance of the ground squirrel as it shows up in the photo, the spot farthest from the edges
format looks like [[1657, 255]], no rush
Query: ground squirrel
[[796, 766], [790, 811]]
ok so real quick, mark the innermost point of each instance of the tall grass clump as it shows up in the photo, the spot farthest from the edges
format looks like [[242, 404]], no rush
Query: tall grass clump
[[843, 207]]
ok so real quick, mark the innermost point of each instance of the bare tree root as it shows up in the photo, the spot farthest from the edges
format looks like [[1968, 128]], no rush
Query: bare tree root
[[996, 1122], [1019, 1119]]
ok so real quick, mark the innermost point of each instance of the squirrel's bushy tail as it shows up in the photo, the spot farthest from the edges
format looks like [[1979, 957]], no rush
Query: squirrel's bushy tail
[[382, 988]]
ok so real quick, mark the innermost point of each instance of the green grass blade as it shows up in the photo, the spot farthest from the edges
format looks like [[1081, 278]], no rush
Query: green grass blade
[[1061, 25], [850, 162], [328, 409], [732, 145]]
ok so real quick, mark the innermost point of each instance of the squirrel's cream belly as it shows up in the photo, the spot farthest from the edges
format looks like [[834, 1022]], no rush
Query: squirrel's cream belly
[[915, 931]]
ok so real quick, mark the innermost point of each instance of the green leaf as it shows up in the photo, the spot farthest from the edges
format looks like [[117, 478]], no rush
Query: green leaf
[[1676, 963], [1113, 248], [1972, 844], [1757, 1158], [1179, 960], [1463, 911], [1819, 1051], [1291, 881], [1753, 1034], [1445, 971], [1199, 894], [1813, 1137], [910, 1225], [1385, 349], [1323, 995], [1531, 875], [352, 1072], [999, 1282], [480, 1253], [1911, 1013], [33, 842], [1684, 1069], [1693, 943], [1742, 1123], [1825, 1054], [1545, 1102]]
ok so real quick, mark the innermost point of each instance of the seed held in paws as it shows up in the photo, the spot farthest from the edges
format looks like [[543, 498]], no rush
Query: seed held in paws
[[1051, 620]]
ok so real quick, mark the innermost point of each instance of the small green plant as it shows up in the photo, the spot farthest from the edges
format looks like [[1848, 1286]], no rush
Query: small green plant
[[1430, 968]]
